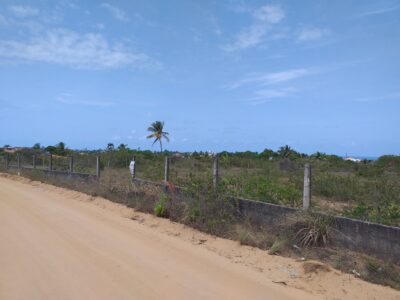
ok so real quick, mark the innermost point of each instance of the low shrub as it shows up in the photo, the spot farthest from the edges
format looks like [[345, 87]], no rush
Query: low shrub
[[313, 230], [161, 207]]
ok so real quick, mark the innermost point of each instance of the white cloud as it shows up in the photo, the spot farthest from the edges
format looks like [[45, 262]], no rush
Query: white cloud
[[68, 4], [260, 84], [271, 78], [273, 93], [379, 11], [248, 37], [66, 98], [265, 95], [269, 13], [3, 20], [99, 26], [263, 18], [116, 12], [23, 11], [390, 96], [311, 34], [78, 50]]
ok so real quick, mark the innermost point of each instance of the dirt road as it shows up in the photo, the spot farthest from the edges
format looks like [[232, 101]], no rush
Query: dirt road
[[60, 244]]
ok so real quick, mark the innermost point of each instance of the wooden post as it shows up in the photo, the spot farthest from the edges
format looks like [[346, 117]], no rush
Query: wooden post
[[50, 162], [34, 161], [7, 160], [307, 187], [166, 169], [71, 164], [98, 166], [215, 171], [19, 161]]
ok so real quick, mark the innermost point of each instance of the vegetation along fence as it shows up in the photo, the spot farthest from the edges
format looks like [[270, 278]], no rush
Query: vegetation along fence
[[272, 201], [373, 239], [51, 164]]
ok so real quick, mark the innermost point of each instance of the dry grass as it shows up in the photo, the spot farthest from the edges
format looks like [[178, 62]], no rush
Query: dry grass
[[315, 230]]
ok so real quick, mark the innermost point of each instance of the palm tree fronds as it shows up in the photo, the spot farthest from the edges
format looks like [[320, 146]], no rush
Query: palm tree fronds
[[156, 128]]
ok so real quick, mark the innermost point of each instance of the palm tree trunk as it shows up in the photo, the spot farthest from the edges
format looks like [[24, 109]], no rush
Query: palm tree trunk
[[160, 145]]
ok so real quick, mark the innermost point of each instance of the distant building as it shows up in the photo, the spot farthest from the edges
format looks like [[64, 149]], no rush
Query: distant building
[[352, 159], [11, 149]]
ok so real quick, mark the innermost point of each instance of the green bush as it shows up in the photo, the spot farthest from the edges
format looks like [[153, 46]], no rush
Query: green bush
[[262, 189], [161, 206], [338, 187]]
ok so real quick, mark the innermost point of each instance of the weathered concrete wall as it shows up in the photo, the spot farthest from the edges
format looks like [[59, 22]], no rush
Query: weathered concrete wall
[[372, 239], [261, 213]]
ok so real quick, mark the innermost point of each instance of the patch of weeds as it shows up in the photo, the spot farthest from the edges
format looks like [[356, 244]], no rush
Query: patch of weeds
[[276, 247], [381, 273], [161, 207], [243, 237], [315, 230]]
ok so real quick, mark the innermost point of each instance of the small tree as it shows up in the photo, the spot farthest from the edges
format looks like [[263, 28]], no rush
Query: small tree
[[51, 149], [36, 146], [60, 148]]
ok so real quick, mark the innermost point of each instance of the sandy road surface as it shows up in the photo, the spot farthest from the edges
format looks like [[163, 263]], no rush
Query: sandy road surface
[[60, 244], [54, 249]]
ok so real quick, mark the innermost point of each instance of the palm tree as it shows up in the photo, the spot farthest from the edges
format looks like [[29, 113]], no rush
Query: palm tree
[[157, 132], [110, 147], [122, 147], [285, 151]]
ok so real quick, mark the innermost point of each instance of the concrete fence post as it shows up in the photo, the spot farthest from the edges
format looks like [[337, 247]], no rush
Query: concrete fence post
[[7, 160], [98, 166], [133, 167], [50, 162], [34, 161], [71, 164], [19, 161], [166, 169], [307, 187], [215, 171]]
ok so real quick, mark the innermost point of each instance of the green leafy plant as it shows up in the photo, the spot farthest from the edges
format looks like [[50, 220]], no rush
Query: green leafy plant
[[161, 206], [276, 247]]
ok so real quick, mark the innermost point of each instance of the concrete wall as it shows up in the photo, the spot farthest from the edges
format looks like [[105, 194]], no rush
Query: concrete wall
[[372, 239], [261, 213]]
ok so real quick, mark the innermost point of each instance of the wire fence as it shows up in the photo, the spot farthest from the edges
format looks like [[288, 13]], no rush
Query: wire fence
[[369, 191], [79, 164]]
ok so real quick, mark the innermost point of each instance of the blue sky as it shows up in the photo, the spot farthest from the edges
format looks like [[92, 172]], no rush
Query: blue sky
[[223, 75]]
